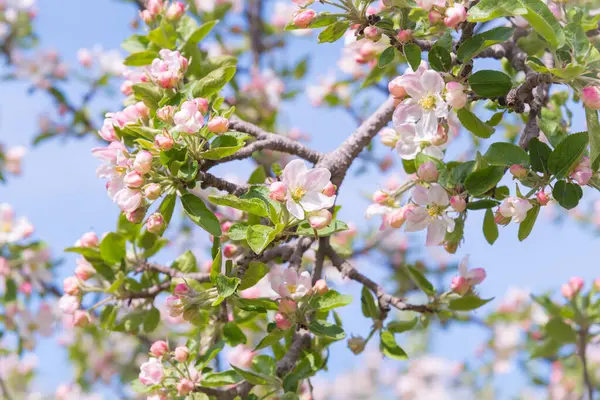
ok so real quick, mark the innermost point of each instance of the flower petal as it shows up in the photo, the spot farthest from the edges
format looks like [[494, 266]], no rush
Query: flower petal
[[407, 112], [436, 231], [417, 219], [314, 201], [420, 195], [292, 172], [414, 85], [437, 195], [316, 179], [432, 82], [295, 209]]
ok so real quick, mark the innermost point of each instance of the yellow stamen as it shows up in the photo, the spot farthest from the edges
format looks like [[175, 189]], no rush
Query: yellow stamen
[[427, 103], [434, 210], [298, 193], [291, 288]]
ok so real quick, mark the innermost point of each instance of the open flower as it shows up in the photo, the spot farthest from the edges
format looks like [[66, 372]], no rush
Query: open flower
[[468, 278], [515, 208], [304, 187], [151, 372], [189, 119], [430, 213], [290, 283]]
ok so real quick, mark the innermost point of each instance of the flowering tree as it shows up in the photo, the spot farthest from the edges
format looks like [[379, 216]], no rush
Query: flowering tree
[[198, 100]]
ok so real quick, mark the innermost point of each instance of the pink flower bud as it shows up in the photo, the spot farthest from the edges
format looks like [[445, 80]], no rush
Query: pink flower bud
[[518, 171], [319, 219], [597, 284], [287, 306], [458, 203], [230, 250], [428, 172], [88, 239], [142, 110], [181, 353], [583, 172], [329, 189], [397, 218], [576, 283], [277, 191], [184, 387], [146, 16], [476, 276], [159, 348], [381, 197], [84, 270], [396, 88], [455, 15], [166, 113], [26, 288], [84, 56], [591, 97], [455, 96], [356, 344], [81, 318], [567, 291], [133, 179], [389, 137], [320, 287], [143, 162], [282, 322], [163, 141], [155, 6], [405, 36], [460, 285], [181, 289], [175, 11], [500, 219], [71, 285], [543, 198], [303, 18], [372, 33], [202, 104], [218, 125], [155, 223], [435, 17], [126, 88], [152, 191], [225, 226], [136, 216]]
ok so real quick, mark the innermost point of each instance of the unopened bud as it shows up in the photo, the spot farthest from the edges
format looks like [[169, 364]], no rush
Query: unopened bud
[[81, 318], [152, 191], [181, 289], [458, 203], [282, 322], [133, 179], [320, 287], [428, 172], [218, 125], [175, 11], [405, 36], [155, 223], [143, 162], [543, 198], [518, 171], [136, 216], [163, 141], [329, 189], [159, 348], [277, 191], [389, 137], [303, 18], [319, 219], [166, 113], [71, 286], [181, 353], [230, 250], [372, 33], [381, 197]]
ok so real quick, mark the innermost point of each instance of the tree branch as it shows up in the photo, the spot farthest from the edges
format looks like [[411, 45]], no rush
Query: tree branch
[[582, 348], [222, 184]]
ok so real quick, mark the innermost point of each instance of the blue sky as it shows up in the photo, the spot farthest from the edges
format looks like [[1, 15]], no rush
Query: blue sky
[[62, 197]]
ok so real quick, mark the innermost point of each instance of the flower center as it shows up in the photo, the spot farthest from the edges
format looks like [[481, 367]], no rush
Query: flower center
[[434, 210], [427, 103], [5, 227], [298, 193], [291, 288]]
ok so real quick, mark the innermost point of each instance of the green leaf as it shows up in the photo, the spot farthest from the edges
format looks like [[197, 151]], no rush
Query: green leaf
[[468, 303], [386, 57], [112, 248], [223, 146], [252, 206], [333, 32], [226, 285], [185, 262], [482, 204], [237, 231], [304, 229], [259, 237], [213, 82], [233, 335], [474, 45], [198, 35], [567, 194], [548, 348], [368, 306], [421, 281], [140, 59], [544, 22], [526, 226], [506, 154], [215, 379], [559, 330], [151, 320], [135, 44], [481, 181], [256, 305], [390, 347], [402, 326], [254, 273], [10, 293], [210, 354], [195, 208], [489, 83], [164, 36], [473, 124], [327, 329], [216, 266], [486, 10], [116, 285], [255, 378], [329, 301], [258, 177], [567, 154], [490, 228], [577, 39], [412, 52], [539, 153], [149, 93], [440, 59], [593, 126], [273, 337]]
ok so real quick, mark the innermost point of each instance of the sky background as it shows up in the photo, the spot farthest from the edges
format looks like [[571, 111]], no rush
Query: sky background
[[61, 196]]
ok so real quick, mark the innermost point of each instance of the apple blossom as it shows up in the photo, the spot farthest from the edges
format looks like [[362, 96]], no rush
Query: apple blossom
[[468, 278], [164, 141], [567, 291], [241, 356], [405, 36], [88, 239], [168, 70], [151, 372], [319, 219], [372, 33], [68, 304], [181, 289], [277, 191], [282, 322], [458, 203], [133, 179], [515, 208], [304, 187], [428, 172], [381, 197], [576, 283], [182, 353], [218, 125], [389, 137], [320, 287], [84, 270], [397, 217], [455, 15], [129, 200], [152, 191], [290, 283], [81, 318], [159, 348], [71, 285], [175, 11], [189, 119], [143, 162], [455, 95], [165, 113], [430, 213], [303, 18], [591, 97]]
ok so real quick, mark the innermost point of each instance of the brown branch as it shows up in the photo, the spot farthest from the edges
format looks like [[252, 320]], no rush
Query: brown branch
[[320, 259], [582, 348], [253, 13], [222, 184]]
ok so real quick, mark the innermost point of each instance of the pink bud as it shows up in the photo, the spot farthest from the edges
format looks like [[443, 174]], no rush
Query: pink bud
[[381, 197], [405, 35], [181, 289], [184, 387], [202, 104], [287, 306], [155, 223], [396, 88], [133, 179], [458, 203], [181, 353], [543, 198], [166, 113], [88, 239], [320, 287], [397, 218], [428, 172], [329, 189], [26, 288], [277, 191], [460, 285], [435, 17], [218, 125], [501, 219], [143, 162], [282, 322], [225, 226], [142, 110], [356, 344], [152, 191], [84, 270], [84, 56], [163, 141], [567, 291], [126, 88], [455, 15], [319, 219], [576, 283], [71, 285], [146, 16], [597, 284], [476, 276], [372, 33], [389, 137], [155, 6], [81, 318], [175, 11], [518, 171], [230, 250], [303, 18], [591, 97], [455, 95], [159, 348], [136, 216]]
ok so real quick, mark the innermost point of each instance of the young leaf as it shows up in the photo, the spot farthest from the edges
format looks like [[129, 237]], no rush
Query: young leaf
[[526, 226], [412, 52], [567, 194], [567, 154], [487, 10], [233, 335], [440, 59], [112, 248], [539, 153], [333, 32], [490, 83], [490, 228], [324, 328], [255, 272], [474, 45], [402, 326], [506, 154], [591, 117], [329, 301], [252, 206], [390, 347], [368, 305], [481, 181], [387, 57], [467, 303], [195, 208], [473, 124], [421, 281], [213, 82], [259, 237]]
